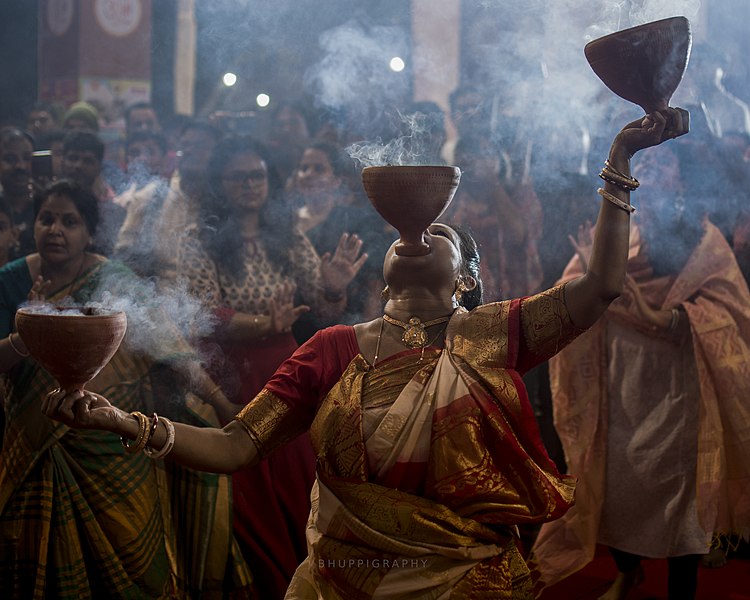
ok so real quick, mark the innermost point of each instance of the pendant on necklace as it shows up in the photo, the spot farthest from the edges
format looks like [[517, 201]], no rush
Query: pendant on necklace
[[414, 335], [415, 332]]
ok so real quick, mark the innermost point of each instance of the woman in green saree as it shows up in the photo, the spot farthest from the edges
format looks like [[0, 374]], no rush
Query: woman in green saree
[[79, 518], [428, 453]]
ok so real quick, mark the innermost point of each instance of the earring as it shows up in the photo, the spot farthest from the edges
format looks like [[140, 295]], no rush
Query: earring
[[386, 293], [460, 289]]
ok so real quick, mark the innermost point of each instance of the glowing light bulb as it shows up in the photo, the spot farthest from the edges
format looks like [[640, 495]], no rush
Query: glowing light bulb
[[229, 79], [263, 100], [397, 64]]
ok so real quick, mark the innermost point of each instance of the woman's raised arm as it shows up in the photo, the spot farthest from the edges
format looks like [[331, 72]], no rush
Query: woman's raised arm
[[589, 296]]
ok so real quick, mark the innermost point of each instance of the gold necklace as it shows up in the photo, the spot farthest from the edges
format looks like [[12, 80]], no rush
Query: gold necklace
[[414, 334], [421, 355]]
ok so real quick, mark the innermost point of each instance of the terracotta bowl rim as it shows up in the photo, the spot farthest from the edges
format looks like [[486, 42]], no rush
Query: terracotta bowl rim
[[647, 25], [31, 312], [383, 168]]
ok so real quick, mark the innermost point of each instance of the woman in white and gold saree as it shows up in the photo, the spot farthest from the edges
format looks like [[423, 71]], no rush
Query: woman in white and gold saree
[[427, 459]]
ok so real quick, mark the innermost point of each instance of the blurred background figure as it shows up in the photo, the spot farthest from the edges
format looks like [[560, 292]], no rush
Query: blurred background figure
[[505, 217], [145, 153], [424, 123], [141, 116], [85, 116], [703, 87], [290, 129], [157, 217], [18, 187], [650, 404], [470, 110], [326, 208], [8, 232], [42, 118], [172, 128], [81, 115], [83, 154]]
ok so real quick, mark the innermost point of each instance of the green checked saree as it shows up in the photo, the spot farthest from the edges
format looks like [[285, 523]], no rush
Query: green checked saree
[[80, 518]]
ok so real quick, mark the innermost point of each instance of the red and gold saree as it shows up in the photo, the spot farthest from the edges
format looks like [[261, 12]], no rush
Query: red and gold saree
[[426, 466]]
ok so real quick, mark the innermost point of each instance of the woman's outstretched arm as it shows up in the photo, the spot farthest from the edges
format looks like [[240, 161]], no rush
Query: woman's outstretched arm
[[589, 296], [202, 448]]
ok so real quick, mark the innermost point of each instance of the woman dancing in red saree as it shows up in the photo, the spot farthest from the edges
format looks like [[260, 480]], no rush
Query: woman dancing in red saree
[[428, 452]]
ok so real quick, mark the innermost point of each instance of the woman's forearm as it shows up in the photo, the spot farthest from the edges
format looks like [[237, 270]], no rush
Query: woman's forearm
[[211, 393], [609, 253], [12, 351], [332, 304], [242, 327], [202, 448], [590, 295]]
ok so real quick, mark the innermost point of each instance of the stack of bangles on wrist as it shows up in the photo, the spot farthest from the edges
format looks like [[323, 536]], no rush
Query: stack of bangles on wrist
[[620, 180], [146, 431]]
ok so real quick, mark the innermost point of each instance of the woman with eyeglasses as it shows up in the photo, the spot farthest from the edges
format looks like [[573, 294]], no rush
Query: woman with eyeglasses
[[259, 273]]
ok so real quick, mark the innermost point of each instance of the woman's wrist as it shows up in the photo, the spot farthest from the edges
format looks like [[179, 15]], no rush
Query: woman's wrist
[[17, 345], [662, 322], [244, 326], [217, 398], [225, 408], [126, 425], [261, 326], [619, 154]]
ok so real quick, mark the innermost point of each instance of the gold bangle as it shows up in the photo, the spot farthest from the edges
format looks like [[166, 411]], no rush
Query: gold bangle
[[152, 429], [616, 201], [627, 180], [140, 441], [16, 350], [606, 176], [168, 445]]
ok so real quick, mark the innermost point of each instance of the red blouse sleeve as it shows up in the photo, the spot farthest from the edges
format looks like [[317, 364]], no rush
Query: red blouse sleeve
[[286, 406]]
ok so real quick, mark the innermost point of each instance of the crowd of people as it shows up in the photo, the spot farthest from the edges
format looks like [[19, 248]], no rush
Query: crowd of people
[[310, 445]]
